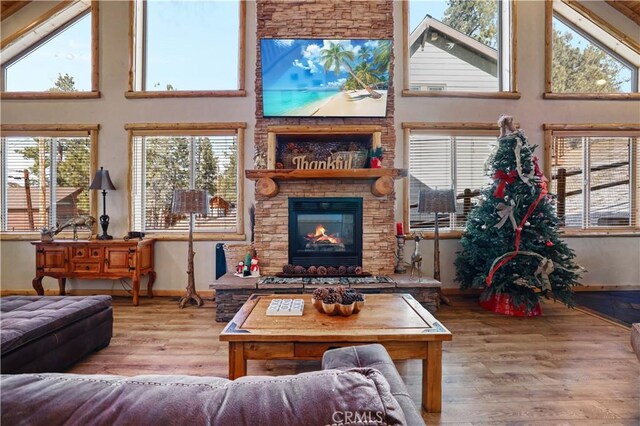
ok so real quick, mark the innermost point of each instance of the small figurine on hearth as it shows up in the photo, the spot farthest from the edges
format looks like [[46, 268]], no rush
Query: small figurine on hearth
[[240, 267], [255, 268]]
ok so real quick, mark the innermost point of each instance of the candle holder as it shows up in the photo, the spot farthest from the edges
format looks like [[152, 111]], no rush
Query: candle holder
[[400, 269]]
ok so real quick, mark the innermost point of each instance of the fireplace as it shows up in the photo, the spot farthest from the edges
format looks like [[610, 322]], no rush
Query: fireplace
[[325, 231]]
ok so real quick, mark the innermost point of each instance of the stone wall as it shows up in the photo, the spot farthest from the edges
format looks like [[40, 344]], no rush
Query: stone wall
[[378, 241], [337, 19]]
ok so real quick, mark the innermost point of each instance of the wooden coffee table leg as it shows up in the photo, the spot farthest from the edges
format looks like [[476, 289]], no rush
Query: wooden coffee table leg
[[237, 361], [432, 378]]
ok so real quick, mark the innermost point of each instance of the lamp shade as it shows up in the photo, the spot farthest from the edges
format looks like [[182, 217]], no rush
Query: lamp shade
[[437, 201], [102, 180], [190, 201]]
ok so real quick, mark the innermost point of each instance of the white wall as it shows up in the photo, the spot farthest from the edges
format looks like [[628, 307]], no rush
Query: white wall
[[611, 261]]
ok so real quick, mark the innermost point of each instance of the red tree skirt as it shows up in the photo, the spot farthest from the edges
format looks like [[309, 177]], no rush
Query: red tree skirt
[[502, 304]]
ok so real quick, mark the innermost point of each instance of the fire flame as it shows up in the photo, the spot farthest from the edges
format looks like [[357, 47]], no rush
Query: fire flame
[[321, 235]]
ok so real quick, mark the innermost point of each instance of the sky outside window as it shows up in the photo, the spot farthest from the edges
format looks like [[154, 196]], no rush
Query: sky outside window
[[192, 45], [66, 53]]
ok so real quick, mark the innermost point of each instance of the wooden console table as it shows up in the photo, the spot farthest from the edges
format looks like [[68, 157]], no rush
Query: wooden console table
[[111, 259]]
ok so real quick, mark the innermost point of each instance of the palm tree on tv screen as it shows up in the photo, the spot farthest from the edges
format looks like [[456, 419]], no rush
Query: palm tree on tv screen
[[334, 56]]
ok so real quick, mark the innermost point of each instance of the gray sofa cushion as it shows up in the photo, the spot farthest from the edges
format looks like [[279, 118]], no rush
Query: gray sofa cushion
[[50, 333], [375, 356], [303, 399], [27, 318]]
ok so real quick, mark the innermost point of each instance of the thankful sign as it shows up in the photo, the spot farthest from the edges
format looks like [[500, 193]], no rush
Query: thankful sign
[[342, 161]]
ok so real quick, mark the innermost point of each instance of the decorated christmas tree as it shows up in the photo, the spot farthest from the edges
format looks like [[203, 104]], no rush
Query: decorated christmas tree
[[511, 247]]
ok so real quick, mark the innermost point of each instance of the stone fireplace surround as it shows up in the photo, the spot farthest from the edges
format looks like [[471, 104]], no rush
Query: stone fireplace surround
[[272, 215]]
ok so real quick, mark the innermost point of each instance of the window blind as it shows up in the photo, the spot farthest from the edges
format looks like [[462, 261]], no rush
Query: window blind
[[443, 162], [161, 164], [593, 179], [45, 181]]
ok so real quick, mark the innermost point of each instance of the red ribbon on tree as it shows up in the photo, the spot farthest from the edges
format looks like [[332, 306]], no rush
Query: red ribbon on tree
[[532, 207], [504, 179]]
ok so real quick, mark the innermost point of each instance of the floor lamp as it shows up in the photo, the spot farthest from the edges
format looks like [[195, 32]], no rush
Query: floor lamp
[[190, 201], [437, 201]]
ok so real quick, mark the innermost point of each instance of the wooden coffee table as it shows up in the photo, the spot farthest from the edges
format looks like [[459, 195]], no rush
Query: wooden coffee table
[[397, 321]]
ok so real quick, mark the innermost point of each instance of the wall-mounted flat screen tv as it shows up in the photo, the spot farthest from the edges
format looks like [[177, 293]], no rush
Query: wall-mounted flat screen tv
[[325, 78]]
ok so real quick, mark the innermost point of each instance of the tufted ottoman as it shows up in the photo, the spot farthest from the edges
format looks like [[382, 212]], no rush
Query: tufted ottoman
[[50, 333]]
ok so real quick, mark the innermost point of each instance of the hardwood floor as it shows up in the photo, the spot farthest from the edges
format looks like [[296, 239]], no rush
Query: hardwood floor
[[565, 367]]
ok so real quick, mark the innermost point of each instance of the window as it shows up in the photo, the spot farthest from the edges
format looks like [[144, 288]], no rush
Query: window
[[186, 158], [52, 58], [594, 175], [459, 47], [588, 57], [444, 160], [45, 177], [187, 48]]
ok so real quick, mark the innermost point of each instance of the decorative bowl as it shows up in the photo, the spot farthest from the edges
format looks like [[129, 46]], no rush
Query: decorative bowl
[[333, 309]]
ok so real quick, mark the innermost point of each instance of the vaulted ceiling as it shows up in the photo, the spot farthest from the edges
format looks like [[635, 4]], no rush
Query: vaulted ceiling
[[630, 9], [11, 7]]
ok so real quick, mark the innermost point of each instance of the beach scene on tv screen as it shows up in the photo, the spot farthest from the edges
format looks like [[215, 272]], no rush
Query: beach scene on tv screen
[[325, 78]]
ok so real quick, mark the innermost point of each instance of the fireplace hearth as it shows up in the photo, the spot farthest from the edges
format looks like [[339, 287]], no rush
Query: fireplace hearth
[[325, 231]]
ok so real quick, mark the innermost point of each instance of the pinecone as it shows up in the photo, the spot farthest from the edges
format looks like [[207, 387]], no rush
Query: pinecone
[[348, 299], [332, 271], [299, 270], [342, 270], [322, 270], [340, 289], [320, 293], [287, 269], [359, 297], [358, 270], [351, 270], [312, 270], [350, 291], [332, 298]]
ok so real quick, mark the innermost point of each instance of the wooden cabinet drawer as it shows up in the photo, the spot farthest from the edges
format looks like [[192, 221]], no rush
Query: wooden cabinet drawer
[[95, 253], [79, 252], [86, 267]]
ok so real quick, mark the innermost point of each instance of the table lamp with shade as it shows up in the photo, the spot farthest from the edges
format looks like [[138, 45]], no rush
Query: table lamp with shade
[[102, 181], [190, 201], [437, 201]]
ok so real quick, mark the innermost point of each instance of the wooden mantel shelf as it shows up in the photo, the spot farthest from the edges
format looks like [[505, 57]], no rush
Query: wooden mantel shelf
[[267, 178], [303, 174]]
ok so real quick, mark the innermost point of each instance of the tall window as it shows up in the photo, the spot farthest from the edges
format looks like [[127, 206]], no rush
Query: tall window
[[168, 160], [450, 160], [459, 46], [187, 46], [588, 56], [53, 58], [595, 178], [45, 179]]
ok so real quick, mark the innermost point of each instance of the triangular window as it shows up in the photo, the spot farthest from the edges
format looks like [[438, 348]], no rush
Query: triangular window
[[55, 56], [588, 56]]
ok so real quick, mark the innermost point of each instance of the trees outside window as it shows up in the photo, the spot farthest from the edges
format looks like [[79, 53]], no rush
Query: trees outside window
[[581, 66], [45, 180], [163, 163], [459, 46], [586, 56]]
